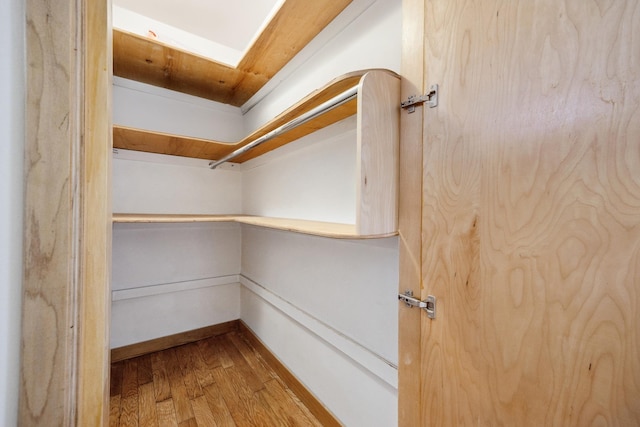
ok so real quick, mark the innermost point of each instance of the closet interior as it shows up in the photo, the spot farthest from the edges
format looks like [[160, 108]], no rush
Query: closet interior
[[296, 238]]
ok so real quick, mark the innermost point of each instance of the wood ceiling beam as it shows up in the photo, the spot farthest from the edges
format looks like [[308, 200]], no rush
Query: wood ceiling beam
[[149, 61]]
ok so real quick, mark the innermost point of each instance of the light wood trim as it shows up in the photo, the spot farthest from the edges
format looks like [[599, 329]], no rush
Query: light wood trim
[[293, 26], [170, 218], [410, 214], [64, 369], [323, 415], [95, 241], [316, 228], [149, 141], [149, 61], [47, 380], [175, 340], [377, 154], [163, 143]]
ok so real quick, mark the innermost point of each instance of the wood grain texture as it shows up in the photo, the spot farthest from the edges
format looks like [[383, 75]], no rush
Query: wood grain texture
[[95, 193], [149, 61], [129, 399], [241, 389], [64, 332], [325, 417], [162, 143], [316, 228], [166, 414], [295, 24], [378, 134], [48, 339], [292, 27], [162, 343], [410, 213], [531, 213]]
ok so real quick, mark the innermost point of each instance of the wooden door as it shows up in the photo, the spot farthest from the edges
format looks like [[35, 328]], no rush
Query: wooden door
[[530, 215]]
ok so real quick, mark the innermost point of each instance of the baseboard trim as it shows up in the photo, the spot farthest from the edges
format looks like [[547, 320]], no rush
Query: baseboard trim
[[314, 405], [163, 343]]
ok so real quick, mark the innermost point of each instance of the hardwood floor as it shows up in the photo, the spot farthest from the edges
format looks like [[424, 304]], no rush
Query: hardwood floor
[[218, 381]]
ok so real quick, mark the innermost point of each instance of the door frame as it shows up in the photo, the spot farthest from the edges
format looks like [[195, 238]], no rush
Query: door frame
[[410, 213], [64, 374]]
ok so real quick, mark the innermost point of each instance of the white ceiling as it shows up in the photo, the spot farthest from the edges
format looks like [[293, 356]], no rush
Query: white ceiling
[[219, 29]]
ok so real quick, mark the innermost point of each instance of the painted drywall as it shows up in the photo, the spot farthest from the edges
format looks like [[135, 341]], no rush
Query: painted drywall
[[313, 178], [148, 107], [352, 393], [327, 308], [171, 278], [12, 88], [351, 285], [150, 183]]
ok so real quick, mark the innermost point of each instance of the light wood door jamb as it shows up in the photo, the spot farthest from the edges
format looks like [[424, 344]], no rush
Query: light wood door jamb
[[410, 213], [64, 374]]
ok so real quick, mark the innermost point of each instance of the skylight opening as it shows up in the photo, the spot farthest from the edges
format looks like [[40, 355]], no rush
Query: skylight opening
[[218, 30]]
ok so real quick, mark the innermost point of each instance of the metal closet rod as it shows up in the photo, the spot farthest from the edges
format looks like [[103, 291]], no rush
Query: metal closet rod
[[334, 102]]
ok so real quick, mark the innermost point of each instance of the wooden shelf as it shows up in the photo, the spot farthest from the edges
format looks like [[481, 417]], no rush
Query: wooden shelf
[[378, 112], [316, 228], [162, 143]]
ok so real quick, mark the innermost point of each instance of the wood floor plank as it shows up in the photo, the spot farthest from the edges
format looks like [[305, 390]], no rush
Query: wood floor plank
[[217, 345], [161, 385], [179, 392], [238, 397], [191, 422], [264, 413], [200, 369], [219, 408], [251, 357], [115, 386], [239, 362], [114, 411], [283, 402], [202, 412], [209, 354], [290, 381], [148, 416], [279, 416], [129, 397], [188, 375], [145, 371], [166, 413], [221, 381]]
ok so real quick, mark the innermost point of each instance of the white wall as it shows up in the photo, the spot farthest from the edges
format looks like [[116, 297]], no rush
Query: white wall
[[171, 278], [351, 392], [152, 183], [327, 309], [313, 178], [12, 88], [144, 106]]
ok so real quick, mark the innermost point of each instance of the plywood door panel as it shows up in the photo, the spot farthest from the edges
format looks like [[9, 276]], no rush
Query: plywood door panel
[[531, 213]]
